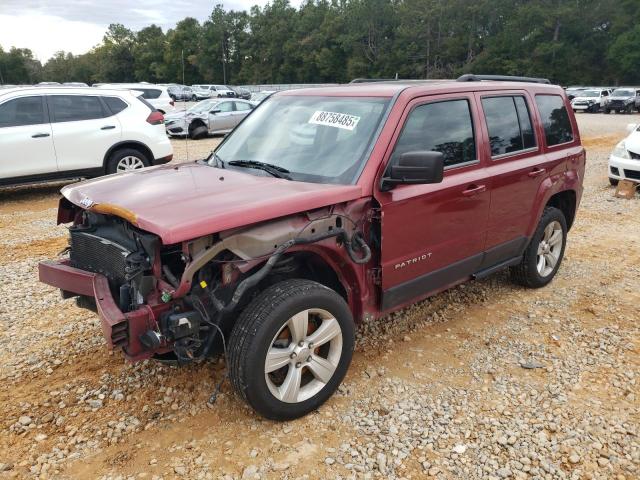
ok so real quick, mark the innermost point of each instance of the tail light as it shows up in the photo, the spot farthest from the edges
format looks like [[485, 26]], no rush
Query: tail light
[[155, 118]]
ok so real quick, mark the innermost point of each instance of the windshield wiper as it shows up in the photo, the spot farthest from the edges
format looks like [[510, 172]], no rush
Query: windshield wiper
[[274, 170]]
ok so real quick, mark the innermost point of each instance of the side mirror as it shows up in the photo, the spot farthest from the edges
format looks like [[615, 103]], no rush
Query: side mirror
[[631, 127], [214, 111], [420, 167]]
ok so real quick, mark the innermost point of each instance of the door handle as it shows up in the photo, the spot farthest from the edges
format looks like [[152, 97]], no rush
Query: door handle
[[474, 190], [536, 172], [108, 127], [40, 135]]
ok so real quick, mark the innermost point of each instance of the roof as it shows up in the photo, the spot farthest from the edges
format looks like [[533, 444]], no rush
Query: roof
[[417, 87], [60, 89]]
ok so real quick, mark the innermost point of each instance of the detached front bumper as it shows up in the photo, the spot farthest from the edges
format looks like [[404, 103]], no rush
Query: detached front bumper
[[120, 330]]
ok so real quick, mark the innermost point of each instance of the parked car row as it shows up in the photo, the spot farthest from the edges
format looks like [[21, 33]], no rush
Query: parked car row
[[604, 99]]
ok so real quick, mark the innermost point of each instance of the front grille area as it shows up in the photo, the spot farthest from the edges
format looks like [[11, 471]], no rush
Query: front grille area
[[616, 104], [634, 174], [99, 255]]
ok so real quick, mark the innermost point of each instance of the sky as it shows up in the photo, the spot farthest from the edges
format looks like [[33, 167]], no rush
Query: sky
[[47, 26]]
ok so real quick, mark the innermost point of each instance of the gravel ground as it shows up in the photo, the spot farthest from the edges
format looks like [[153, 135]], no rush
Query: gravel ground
[[487, 380]]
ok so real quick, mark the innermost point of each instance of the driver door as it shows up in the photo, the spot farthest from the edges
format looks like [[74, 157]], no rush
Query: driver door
[[222, 120], [433, 235]]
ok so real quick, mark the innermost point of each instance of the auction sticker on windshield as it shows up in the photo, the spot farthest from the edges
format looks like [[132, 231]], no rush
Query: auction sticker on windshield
[[333, 119]]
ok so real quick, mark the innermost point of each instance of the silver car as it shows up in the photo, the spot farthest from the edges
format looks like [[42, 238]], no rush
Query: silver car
[[208, 117]]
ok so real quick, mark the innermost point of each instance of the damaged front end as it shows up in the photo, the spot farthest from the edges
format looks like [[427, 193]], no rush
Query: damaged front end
[[177, 302]]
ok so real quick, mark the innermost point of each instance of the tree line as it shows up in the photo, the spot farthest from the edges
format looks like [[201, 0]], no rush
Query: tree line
[[569, 41]]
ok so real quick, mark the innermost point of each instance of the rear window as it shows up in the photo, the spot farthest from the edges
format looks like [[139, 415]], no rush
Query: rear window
[[71, 108], [115, 104], [555, 119], [509, 124], [22, 111], [149, 93]]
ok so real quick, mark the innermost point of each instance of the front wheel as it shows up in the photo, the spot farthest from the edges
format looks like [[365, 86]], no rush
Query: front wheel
[[543, 256], [290, 348], [613, 181]]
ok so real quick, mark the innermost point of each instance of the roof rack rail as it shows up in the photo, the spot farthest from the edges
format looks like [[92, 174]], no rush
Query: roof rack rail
[[470, 77], [371, 80]]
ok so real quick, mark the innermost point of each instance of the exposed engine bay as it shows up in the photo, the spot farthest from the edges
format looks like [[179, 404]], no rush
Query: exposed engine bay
[[196, 288]]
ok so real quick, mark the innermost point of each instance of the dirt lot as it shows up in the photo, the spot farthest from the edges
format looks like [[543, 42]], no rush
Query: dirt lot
[[439, 390]]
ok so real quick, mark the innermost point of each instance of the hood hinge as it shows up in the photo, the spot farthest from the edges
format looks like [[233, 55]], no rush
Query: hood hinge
[[374, 215], [376, 275]]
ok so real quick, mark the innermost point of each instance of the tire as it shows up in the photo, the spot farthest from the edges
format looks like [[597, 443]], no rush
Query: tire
[[194, 98], [120, 158], [607, 111], [613, 181], [199, 132], [528, 272], [265, 322]]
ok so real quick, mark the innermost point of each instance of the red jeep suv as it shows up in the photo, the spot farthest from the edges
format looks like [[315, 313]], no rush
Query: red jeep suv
[[323, 207]]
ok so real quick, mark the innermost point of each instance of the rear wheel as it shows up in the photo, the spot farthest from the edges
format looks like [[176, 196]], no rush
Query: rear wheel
[[543, 256], [126, 160], [290, 348]]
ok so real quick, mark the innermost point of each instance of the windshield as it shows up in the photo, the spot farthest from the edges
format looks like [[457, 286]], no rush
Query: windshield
[[316, 139], [622, 92], [590, 93], [202, 107]]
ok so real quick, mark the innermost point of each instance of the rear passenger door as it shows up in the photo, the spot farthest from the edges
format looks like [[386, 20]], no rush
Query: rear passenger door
[[517, 165], [84, 129], [242, 109], [26, 145]]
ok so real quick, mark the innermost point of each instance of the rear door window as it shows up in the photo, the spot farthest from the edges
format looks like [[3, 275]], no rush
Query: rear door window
[[22, 111], [72, 108], [555, 119], [241, 107], [444, 127], [509, 124], [225, 106]]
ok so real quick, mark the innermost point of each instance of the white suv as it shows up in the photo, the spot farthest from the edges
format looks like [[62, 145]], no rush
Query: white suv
[[63, 132], [156, 95], [624, 161]]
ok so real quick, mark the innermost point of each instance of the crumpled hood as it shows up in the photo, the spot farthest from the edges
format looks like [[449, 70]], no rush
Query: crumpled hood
[[181, 116], [181, 202]]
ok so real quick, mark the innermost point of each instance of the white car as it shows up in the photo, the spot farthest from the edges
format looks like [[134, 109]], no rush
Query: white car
[[592, 100], [209, 117], [66, 132], [624, 162], [219, 91], [156, 95]]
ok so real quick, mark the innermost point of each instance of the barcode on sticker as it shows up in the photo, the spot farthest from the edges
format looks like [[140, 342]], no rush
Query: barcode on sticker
[[333, 119]]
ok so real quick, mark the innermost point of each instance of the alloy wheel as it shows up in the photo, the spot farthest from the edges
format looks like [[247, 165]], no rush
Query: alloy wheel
[[549, 248], [303, 355], [128, 163]]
